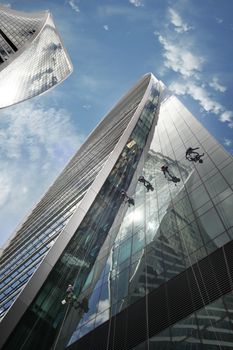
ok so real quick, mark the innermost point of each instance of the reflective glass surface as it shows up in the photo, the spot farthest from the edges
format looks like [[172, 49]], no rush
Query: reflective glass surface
[[78, 263], [48, 219], [121, 253], [173, 226], [37, 58]]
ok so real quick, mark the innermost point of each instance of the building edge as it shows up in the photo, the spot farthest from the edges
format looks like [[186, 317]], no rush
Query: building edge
[[18, 308]]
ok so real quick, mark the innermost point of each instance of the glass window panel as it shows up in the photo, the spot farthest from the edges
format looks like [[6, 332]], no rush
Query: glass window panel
[[104, 301], [183, 212], [191, 238], [202, 135], [152, 226], [210, 225], [221, 240], [92, 304], [86, 328], [193, 181], [203, 209], [123, 280], [225, 162], [138, 241], [137, 287], [102, 317], [216, 185], [161, 341], [198, 197], [134, 268], [219, 156], [196, 256], [187, 137], [227, 173], [185, 328], [223, 195], [210, 145], [124, 251], [206, 168], [177, 145], [135, 257], [225, 209]]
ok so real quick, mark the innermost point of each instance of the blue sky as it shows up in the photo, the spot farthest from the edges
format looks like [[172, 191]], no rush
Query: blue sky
[[112, 43]]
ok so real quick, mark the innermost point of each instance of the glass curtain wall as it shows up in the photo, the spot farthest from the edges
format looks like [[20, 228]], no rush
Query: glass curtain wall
[[47, 314], [32, 56], [50, 216], [186, 216], [170, 228]]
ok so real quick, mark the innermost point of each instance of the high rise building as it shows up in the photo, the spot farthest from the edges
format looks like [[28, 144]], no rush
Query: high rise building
[[32, 56], [149, 262]]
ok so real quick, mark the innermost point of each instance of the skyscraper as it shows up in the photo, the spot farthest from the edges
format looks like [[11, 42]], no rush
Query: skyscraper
[[152, 273], [32, 56]]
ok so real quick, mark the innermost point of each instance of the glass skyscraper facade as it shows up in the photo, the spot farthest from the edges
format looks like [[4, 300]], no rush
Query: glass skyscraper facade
[[154, 275], [32, 56]]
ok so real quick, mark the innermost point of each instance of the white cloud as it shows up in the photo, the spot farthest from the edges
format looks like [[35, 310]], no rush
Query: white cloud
[[106, 27], [201, 95], [216, 85], [24, 131], [180, 59], [35, 144], [219, 20], [73, 4], [124, 11], [86, 106], [226, 116], [103, 305], [136, 3], [227, 142], [179, 24], [89, 82]]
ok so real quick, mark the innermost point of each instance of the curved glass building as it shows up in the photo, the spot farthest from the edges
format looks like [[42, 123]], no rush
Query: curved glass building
[[32, 56], [131, 247]]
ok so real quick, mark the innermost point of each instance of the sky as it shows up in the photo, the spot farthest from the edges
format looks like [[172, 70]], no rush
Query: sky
[[185, 43]]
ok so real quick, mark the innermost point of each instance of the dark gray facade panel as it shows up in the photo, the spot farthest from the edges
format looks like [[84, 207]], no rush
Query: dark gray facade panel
[[166, 305]]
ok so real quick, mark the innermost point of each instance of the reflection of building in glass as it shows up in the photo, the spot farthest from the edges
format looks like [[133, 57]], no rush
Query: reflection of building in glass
[[156, 275], [32, 57], [165, 253]]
